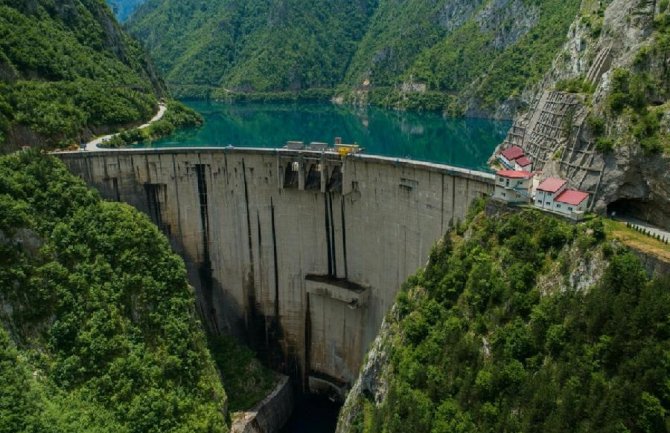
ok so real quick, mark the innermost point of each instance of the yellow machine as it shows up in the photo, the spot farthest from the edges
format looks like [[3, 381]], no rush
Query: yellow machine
[[347, 149]]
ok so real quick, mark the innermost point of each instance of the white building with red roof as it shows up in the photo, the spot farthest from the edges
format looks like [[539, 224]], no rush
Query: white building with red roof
[[572, 203], [508, 156], [513, 186], [553, 195], [547, 192], [524, 163]]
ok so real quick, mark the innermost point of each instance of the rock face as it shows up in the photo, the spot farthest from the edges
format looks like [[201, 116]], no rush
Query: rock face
[[371, 381], [556, 131]]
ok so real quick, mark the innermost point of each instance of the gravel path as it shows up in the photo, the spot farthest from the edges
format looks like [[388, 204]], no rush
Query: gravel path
[[94, 145]]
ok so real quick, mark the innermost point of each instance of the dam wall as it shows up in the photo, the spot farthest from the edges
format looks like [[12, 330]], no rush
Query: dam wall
[[300, 252]]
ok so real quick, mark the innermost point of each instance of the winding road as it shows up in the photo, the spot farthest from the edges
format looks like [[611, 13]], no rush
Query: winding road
[[94, 144]]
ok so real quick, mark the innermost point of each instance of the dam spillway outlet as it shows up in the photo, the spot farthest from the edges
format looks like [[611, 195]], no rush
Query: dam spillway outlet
[[305, 250], [313, 414]]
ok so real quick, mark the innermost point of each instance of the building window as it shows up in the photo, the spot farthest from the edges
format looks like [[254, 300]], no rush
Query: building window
[[558, 206], [570, 209]]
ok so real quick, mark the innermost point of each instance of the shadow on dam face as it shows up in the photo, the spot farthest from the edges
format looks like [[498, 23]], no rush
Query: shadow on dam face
[[301, 253]]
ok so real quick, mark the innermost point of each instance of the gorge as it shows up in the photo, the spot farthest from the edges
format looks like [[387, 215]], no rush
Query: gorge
[[388, 279]]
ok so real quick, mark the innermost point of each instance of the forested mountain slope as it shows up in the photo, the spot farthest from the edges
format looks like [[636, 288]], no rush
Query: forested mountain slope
[[251, 45], [98, 330], [68, 71], [457, 55], [521, 322]]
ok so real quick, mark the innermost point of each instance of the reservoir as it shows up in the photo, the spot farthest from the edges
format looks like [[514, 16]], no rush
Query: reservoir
[[466, 143]]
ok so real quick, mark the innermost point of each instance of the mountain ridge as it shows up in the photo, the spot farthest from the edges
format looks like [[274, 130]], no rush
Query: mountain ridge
[[375, 51], [69, 72]]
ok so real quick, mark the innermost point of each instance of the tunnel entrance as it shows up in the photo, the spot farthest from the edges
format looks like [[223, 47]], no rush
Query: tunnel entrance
[[628, 208], [313, 414], [643, 210]]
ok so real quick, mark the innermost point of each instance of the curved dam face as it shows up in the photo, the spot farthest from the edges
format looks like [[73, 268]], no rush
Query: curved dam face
[[302, 252]]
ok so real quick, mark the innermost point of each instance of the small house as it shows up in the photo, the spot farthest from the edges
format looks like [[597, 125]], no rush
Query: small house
[[572, 203], [524, 164], [513, 186], [508, 156], [547, 192]]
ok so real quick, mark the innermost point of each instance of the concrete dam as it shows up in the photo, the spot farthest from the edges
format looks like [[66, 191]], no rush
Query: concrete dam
[[300, 252]]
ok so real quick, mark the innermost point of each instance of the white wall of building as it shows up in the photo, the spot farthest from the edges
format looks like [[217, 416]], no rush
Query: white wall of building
[[568, 209], [512, 190]]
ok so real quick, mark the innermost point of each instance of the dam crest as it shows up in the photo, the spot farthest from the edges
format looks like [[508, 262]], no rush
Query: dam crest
[[300, 252]]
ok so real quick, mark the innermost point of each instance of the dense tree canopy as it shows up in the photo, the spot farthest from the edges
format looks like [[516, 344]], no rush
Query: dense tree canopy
[[67, 70], [98, 326], [466, 53], [493, 336]]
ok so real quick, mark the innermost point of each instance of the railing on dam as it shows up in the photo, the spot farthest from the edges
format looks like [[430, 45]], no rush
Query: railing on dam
[[301, 251]]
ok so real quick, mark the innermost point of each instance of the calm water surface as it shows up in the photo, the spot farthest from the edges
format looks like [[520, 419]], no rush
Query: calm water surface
[[421, 136]]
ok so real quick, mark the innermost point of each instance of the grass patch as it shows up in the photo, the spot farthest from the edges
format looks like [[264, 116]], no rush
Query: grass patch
[[245, 380], [636, 240]]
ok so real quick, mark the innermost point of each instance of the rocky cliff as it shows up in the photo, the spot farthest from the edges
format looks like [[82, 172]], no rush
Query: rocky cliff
[[599, 117]]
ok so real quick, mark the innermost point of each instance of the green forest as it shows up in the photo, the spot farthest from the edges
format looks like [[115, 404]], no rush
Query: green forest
[[469, 55], [177, 116], [67, 72], [250, 45], [98, 326], [491, 337]]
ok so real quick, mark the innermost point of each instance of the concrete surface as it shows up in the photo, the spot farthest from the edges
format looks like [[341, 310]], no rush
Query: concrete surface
[[268, 416], [304, 264]]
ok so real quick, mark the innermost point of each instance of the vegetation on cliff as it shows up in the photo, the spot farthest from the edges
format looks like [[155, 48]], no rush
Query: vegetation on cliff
[[246, 380], [98, 331], [638, 96], [476, 59], [251, 45], [177, 116], [511, 327], [447, 54], [68, 71]]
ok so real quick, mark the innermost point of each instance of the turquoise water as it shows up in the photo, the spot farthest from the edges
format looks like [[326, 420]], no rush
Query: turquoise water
[[421, 136]]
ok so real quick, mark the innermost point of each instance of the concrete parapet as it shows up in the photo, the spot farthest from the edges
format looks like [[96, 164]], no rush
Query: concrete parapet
[[270, 415]]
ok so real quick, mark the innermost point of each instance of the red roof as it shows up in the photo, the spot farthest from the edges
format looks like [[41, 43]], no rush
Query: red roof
[[552, 184], [572, 196], [515, 174], [513, 153], [523, 161]]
